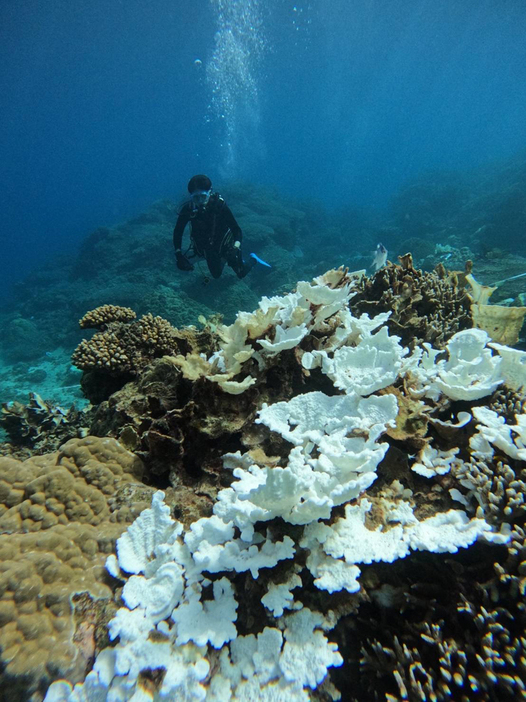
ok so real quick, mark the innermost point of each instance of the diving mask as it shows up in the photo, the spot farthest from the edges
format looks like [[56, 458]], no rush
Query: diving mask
[[200, 197]]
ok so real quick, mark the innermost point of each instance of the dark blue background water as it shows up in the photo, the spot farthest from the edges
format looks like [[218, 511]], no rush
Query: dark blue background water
[[104, 109]]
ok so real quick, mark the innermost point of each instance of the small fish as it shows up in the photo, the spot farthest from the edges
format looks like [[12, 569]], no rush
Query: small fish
[[379, 257], [260, 260]]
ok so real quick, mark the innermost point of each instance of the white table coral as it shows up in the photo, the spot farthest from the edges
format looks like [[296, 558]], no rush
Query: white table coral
[[349, 542], [373, 364], [471, 371], [209, 621]]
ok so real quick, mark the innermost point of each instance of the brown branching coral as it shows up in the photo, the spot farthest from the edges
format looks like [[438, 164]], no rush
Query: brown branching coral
[[104, 315], [424, 306], [104, 351], [499, 489], [120, 350], [456, 631], [124, 348], [128, 348], [508, 403]]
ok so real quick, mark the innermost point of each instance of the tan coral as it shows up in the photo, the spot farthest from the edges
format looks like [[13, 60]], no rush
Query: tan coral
[[104, 351], [502, 323], [121, 348], [497, 488], [104, 315], [425, 307], [60, 517]]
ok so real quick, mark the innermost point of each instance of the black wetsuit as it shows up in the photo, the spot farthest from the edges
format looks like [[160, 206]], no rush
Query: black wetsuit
[[214, 233]]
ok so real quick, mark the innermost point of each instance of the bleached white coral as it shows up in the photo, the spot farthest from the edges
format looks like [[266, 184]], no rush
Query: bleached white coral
[[137, 546], [209, 621], [348, 542], [343, 429], [373, 364], [306, 418], [284, 339], [513, 366], [431, 461], [471, 371], [492, 430], [280, 597], [180, 592], [307, 654]]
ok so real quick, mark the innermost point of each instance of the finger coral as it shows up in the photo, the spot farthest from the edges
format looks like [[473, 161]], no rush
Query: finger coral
[[425, 307], [104, 315]]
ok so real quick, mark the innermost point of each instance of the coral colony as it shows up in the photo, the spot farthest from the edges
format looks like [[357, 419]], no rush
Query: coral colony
[[358, 502]]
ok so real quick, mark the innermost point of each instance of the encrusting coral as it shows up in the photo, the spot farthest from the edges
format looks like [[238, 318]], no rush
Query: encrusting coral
[[60, 516], [339, 528]]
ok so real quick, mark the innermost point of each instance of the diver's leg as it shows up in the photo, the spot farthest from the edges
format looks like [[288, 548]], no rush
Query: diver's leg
[[215, 263], [234, 258]]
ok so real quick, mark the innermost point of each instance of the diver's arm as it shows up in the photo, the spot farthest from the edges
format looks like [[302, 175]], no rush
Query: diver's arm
[[181, 223]]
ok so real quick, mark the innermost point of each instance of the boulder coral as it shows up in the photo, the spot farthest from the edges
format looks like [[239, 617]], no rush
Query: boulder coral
[[60, 516]]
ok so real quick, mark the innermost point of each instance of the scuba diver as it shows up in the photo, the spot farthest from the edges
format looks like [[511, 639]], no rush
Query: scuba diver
[[215, 234]]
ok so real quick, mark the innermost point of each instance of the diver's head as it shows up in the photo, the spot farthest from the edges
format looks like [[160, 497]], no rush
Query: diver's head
[[200, 187]]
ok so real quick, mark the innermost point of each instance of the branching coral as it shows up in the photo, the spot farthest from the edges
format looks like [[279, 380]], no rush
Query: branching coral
[[425, 307], [102, 316], [120, 350]]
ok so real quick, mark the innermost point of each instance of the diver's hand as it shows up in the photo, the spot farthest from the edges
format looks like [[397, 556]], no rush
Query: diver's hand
[[182, 262]]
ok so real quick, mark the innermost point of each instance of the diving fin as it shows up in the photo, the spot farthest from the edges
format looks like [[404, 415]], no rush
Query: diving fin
[[260, 260]]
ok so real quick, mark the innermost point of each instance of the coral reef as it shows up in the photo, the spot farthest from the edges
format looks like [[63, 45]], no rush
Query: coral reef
[[343, 469], [364, 536], [60, 515]]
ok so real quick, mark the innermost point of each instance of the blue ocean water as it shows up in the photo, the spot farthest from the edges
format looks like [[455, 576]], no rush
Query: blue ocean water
[[108, 105]]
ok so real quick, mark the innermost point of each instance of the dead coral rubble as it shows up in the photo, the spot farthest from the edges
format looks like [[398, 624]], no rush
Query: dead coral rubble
[[425, 307], [40, 426]]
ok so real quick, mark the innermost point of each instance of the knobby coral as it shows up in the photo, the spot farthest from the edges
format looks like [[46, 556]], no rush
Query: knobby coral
[[60, 515]]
